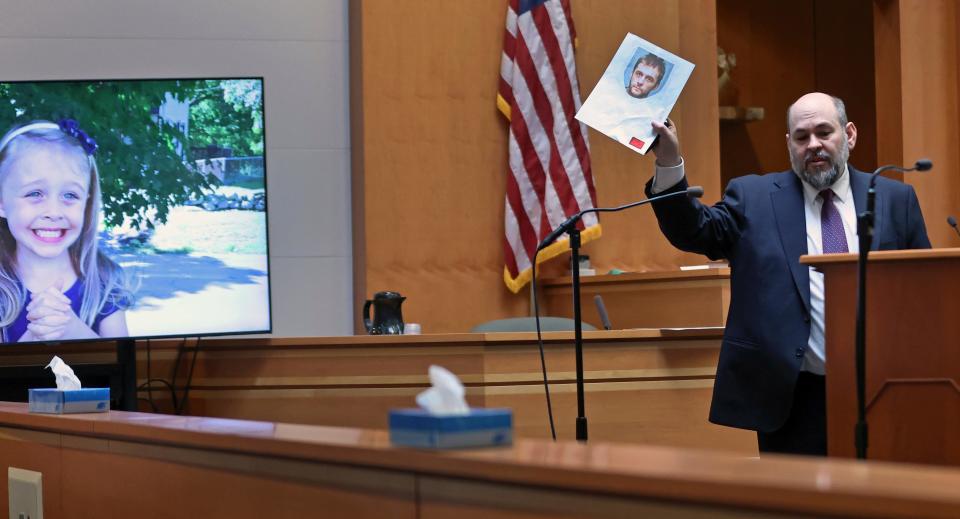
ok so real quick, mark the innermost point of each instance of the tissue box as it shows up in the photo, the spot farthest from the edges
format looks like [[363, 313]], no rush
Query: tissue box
[[56, 401], [480, 428]]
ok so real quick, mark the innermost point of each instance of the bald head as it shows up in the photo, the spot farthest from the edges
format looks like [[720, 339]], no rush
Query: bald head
[[817, 103]]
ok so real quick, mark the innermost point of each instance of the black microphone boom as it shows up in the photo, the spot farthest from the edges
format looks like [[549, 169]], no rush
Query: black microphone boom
[[953, 223], [570, 223]]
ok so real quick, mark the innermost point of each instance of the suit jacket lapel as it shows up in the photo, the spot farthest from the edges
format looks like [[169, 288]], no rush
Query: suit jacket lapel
[[860, 183], [787, 199]]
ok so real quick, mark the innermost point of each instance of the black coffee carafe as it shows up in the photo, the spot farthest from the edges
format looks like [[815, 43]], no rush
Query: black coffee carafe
[[387, 317]]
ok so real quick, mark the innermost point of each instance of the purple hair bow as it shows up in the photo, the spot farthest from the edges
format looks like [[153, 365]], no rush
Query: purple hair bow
[[72, 128]]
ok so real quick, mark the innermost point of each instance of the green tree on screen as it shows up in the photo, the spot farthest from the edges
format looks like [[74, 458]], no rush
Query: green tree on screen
[[142, 159], [228, 115]]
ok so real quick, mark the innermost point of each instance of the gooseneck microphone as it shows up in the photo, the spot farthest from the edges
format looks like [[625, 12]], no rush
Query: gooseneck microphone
[[865, 224], [570, 227], [920, 165], [570, 223], [602, 311], [953, 223]]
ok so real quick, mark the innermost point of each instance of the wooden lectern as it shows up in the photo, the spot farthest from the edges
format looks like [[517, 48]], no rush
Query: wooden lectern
[[912, 354]]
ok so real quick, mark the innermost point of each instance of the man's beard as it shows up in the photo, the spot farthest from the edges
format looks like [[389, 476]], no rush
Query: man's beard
[[822, 178]]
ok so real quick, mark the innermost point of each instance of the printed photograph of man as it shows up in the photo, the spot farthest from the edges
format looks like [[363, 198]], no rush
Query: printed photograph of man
[[640, 84], [646, 76]]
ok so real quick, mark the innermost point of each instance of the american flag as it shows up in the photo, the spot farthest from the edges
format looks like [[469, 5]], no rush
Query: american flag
[[550, 178]]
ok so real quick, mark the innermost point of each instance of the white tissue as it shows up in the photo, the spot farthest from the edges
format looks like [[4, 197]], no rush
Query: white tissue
[[445, 396], [66, 380]]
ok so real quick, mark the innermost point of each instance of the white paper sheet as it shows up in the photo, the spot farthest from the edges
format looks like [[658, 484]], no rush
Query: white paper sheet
[[623, 109]]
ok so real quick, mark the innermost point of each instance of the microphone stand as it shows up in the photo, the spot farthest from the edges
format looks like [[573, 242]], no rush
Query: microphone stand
[[578, 334], [570, 227], [865, 225]]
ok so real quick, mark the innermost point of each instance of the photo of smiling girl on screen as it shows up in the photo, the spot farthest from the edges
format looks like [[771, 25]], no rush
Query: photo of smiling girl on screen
[[54, 282], [132, 209]]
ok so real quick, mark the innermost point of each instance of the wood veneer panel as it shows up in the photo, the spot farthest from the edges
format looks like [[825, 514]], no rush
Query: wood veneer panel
[[434, 149], [216, 465], [141, 487], [918, 101], [909, 432], [783, 51], [911, 352], [443, 498], [633, 301], [641, 392], [775, 65], [631, 240], [36, 451]]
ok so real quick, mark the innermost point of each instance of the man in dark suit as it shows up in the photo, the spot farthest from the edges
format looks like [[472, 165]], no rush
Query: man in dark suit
[[770, 375]]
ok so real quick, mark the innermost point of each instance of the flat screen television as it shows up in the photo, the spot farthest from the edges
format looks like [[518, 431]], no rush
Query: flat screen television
[[132, 209]]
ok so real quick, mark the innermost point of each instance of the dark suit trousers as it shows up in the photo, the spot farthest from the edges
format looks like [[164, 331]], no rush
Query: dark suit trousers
[[805, 431]]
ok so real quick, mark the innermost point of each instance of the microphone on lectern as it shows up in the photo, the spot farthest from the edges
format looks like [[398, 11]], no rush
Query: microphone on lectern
[[602, 311], [953, 223]]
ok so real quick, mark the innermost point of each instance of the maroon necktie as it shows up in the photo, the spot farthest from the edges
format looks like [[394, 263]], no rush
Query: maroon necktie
[[831, 226]]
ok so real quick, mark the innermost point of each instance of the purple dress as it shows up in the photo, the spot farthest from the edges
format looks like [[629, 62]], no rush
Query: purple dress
[[16, 329]]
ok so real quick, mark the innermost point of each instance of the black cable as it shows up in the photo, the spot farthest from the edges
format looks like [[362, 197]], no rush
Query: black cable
[[186, 386], [176, 367], [543, 359], [152, 405], [149, 378], [148, 384]]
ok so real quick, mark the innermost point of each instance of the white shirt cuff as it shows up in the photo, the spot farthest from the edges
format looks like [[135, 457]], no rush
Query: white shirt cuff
[[665, 177]]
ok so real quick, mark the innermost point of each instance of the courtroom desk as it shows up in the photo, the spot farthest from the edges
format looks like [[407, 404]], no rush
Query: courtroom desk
[[680, 298], [148, 465], [642, 386]]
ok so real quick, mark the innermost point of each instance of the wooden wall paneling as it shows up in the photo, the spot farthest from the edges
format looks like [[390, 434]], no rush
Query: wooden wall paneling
[[922, 95], [774, 46], [886, 29], [642, 387], [634, 393], [358, 204], [694, 298], [142, 465], [348, 386], [435, 153], [631, 240], [931, 118], [433, 150], [698, 111], [37, 451], [150, 481], [844, 67], [445, 497], [783, 52]]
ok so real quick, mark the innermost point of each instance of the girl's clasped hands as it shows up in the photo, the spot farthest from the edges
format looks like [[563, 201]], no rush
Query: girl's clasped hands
[[51, 317]]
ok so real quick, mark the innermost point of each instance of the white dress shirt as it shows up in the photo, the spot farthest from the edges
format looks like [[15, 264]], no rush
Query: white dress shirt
[[814, 360]]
